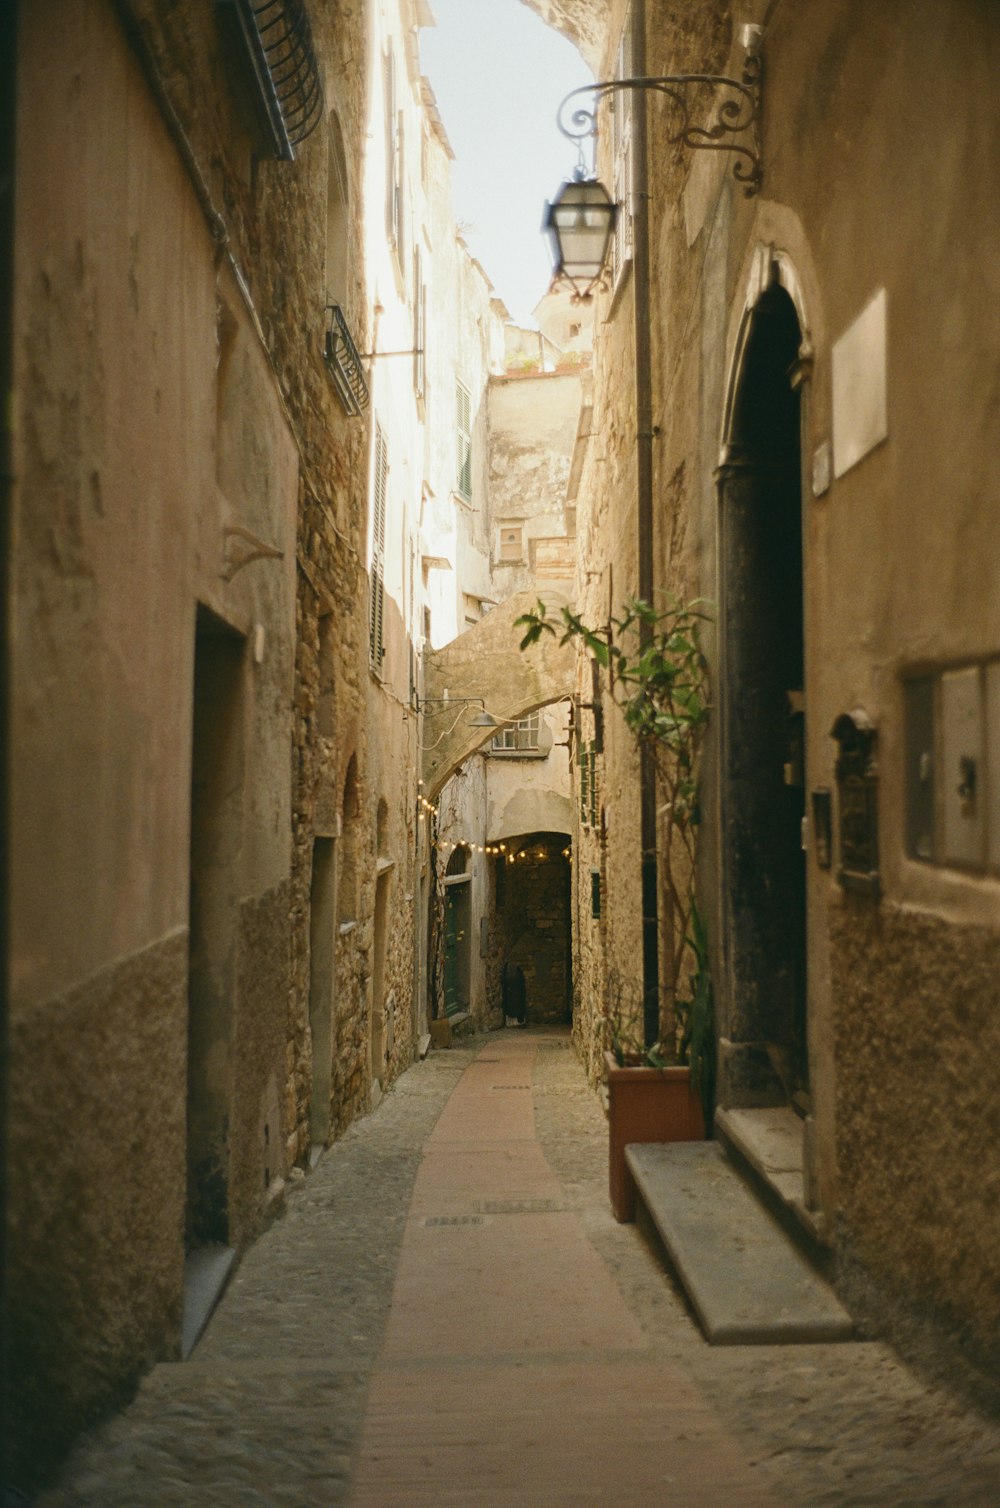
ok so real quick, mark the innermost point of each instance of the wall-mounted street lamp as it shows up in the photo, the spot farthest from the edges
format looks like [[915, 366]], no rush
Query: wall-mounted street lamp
[[581, 218], [581, 221], [482, 719]]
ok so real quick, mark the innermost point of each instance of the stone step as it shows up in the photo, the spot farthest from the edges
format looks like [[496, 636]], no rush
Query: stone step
[[207, 1270], [746, 1280]]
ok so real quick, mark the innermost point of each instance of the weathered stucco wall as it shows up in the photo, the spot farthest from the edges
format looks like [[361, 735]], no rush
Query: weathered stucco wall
[[532, 429], [162, 400], [898, 574], [917, 1023]]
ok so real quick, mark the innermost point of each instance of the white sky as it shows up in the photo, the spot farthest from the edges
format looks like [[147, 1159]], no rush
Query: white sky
[[499, 74]]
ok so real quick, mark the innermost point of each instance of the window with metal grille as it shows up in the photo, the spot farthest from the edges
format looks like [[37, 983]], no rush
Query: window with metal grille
[[621, 146], [463, 441], [282, 58], [376, 644], [517, 738]]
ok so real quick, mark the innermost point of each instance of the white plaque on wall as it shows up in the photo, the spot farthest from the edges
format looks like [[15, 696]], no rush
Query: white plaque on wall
[[860, 418]]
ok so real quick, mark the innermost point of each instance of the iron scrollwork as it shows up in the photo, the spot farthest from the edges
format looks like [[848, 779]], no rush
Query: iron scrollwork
[[735, 112]]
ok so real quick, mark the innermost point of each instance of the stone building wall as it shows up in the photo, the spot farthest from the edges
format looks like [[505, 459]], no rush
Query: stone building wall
[[187, 494], [609, 949], [897, 581]]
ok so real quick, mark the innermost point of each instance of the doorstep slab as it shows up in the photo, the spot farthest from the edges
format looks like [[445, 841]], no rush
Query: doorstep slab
[[747, 1281]]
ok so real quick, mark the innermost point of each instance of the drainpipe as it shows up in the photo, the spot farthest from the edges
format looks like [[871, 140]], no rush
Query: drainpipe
[[8, 91], [644, 513]]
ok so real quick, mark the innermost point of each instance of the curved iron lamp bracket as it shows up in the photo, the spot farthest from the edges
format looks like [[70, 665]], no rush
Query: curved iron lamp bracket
[[734, 112]]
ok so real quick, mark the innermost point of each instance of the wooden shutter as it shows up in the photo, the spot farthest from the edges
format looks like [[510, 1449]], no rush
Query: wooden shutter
[[463, 441], [419, 324], [391, 147]]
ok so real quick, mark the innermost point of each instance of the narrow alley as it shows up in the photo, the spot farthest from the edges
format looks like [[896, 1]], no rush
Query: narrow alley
[[447, 1312]]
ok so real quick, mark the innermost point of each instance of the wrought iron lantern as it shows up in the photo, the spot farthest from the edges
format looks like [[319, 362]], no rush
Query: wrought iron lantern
[[580, 221], [710, 112]]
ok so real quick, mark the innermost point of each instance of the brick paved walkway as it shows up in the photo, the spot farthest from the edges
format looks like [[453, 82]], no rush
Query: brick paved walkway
[[448, 1313]]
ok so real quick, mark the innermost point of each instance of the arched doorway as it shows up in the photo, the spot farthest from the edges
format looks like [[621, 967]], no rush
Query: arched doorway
[[457, 933], [533, 912], [763, 1046]]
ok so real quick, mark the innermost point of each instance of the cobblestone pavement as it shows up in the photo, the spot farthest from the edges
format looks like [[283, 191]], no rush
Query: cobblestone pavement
[[291, 1396]]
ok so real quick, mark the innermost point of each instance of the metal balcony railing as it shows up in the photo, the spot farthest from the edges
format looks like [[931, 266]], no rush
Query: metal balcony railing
[[343, 362], [280, 47]]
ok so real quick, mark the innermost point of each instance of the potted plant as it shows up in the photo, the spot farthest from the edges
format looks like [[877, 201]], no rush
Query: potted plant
[[658, 674]]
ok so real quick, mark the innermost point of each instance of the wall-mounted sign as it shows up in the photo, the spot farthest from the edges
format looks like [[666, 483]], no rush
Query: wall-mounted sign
[[860, 402]]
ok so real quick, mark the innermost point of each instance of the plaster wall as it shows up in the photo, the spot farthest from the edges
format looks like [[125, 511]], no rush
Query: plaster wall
[[905, 539], [132, 473], [532, 792], [900, 556], [532, 430]]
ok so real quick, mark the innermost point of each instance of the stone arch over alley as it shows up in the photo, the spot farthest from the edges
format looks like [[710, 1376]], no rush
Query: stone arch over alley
[[484, 664]]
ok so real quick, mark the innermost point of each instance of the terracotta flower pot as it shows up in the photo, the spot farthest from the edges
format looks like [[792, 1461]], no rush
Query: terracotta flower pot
[[646, 1104]]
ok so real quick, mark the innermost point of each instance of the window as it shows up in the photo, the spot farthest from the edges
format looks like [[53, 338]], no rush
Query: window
[[511, 542], [621, 146], [282, 63], [517, 738], [463, 441], [376, 644], [952, 754], [470, 609]]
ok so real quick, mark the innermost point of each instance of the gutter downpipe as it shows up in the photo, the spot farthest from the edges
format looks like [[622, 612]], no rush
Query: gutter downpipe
[[8, 109], [644, 513]]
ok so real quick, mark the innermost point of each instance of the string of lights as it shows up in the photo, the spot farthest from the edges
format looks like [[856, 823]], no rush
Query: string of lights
[[493, 850]]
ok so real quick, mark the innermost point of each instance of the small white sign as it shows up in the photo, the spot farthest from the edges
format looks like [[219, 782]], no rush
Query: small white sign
[[821, 469], [860, 408]]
